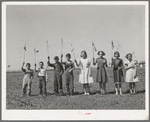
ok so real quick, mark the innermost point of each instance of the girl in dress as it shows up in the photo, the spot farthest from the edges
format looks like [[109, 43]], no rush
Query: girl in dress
[[101, 76], [131, 76], [117, 64], [85, 74]]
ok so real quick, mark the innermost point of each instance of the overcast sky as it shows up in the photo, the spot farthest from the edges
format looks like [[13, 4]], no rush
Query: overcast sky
[[79, 24]]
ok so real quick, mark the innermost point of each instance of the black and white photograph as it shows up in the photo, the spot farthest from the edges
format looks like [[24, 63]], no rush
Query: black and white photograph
[[85, 60]]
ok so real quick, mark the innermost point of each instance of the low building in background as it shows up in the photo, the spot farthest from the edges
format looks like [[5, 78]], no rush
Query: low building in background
[[142, 64]]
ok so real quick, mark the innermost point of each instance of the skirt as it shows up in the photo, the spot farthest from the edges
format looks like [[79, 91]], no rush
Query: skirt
[[101, 76]]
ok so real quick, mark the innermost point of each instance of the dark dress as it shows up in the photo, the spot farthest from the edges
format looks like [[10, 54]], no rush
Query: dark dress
[[101, 76], [118, 74]]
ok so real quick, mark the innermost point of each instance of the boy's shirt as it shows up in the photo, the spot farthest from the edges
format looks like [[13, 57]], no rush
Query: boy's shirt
[[69, 65], [28, 73], [42, 72], [58, 68]]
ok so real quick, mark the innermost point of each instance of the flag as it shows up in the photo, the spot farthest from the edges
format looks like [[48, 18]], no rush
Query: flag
[[47, 43], [25, 47], [36, 51], [94, 47], [112, 44], [61, 39], [72, 47]]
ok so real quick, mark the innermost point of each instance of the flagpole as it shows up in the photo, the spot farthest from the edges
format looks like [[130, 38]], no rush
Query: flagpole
[[61, 46], [47, 49], [35, 55], [24, 56], [93, 49]]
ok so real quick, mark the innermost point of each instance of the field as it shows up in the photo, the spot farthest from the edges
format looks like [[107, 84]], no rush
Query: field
[[79, 100]]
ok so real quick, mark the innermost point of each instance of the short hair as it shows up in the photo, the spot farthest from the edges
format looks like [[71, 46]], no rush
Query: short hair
[[41, 62], [127, 55], [117, 53], [56, 58], [100, 52], [28, 64], [68, 55], [84, 52]]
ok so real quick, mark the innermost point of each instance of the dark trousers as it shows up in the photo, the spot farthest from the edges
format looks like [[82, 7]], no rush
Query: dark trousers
[[69, 83], [42, 84], [57, 83]]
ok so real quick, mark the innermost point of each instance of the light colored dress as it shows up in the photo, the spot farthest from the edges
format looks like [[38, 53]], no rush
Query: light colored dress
[[131, 73], [84, 76]]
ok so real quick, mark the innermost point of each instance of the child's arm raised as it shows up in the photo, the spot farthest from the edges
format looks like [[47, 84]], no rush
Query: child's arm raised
[[106, 63], [48, 63], [94, 62], [77, 64], [62, 69], [23, 68], [61, 59], [35, 68]]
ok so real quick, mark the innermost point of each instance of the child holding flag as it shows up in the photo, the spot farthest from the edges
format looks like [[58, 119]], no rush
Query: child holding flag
[[85, 74], [42, 75], [58, 71], [27, 80], [117, 64], [131, 73], [101, 76], [69, 78]]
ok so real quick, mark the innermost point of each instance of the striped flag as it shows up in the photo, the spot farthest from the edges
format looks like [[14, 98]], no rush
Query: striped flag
[[94, 47], [36, 51], [25, 48], [112, 44]]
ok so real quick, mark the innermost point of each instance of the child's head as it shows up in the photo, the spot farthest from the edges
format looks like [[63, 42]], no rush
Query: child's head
[[83, 54], [116, 54], [56, 58], [129, 56], [101, 53], [28, 65], [41, 64], [68, 56]]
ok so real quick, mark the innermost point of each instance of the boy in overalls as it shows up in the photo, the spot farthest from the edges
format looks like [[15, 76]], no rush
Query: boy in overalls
[[27, 80], [69, 78], [58, 71]]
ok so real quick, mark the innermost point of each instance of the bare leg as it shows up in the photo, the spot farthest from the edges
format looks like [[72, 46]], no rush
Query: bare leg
[[120, 86], [130, 86], [134, 88], [84, 88], [116, 88], [104, 87], [100, 87]]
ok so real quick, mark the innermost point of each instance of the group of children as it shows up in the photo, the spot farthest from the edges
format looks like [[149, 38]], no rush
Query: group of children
[[85, 77]]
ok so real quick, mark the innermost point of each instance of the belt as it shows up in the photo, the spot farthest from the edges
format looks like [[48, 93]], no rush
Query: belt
[[42, 76]]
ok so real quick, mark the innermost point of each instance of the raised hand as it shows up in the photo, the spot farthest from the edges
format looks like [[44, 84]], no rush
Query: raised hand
[[61, 55], [23, 63], [48, 58]]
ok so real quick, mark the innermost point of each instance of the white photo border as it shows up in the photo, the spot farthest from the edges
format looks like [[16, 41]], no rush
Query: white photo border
[[75, 114]]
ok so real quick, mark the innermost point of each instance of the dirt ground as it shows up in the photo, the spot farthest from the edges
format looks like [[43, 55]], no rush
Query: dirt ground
[[79, 100]]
